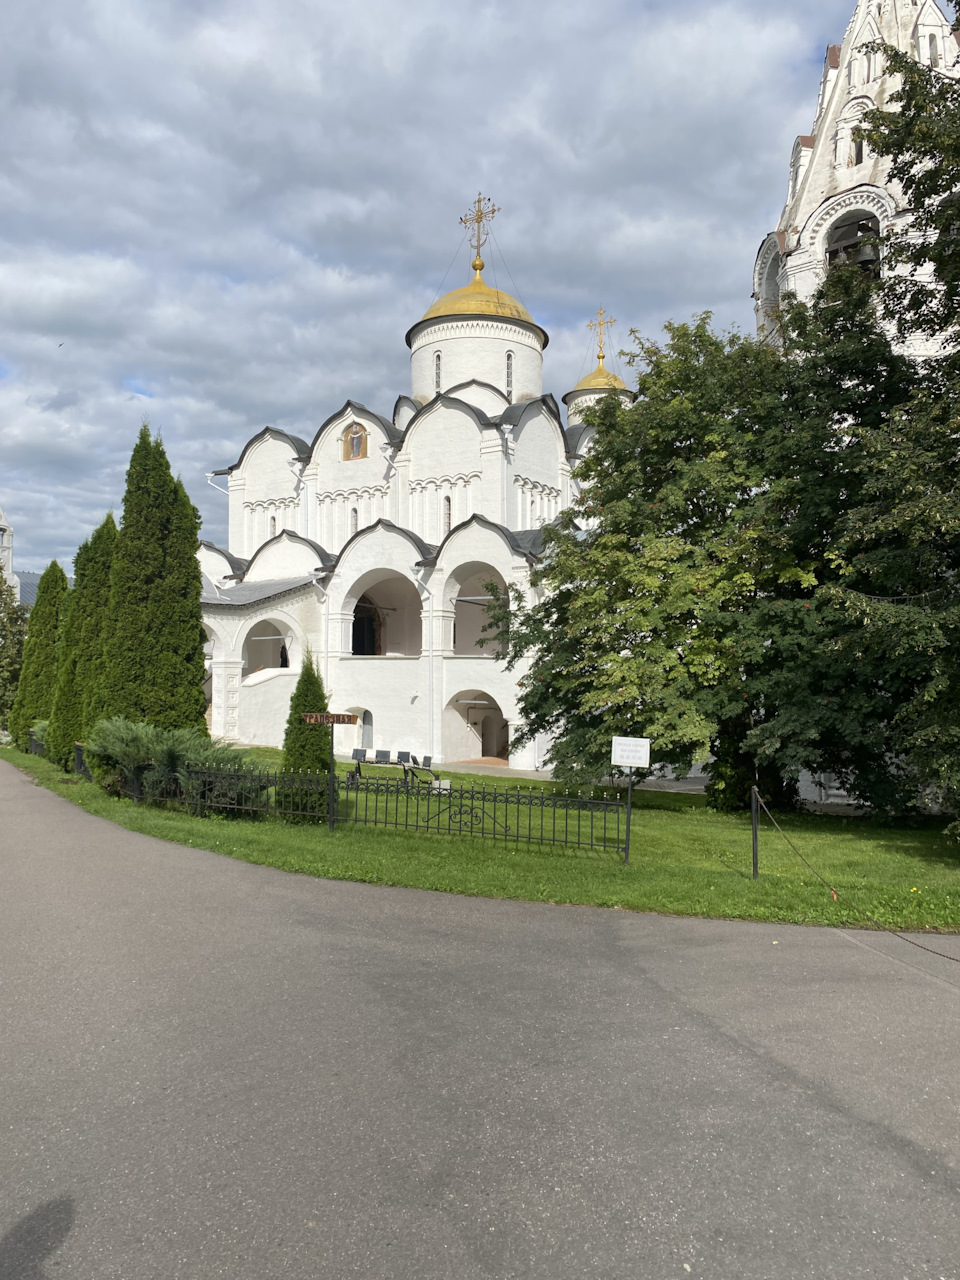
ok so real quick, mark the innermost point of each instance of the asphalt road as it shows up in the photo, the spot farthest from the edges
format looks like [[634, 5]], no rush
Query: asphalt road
[[209, 1069]]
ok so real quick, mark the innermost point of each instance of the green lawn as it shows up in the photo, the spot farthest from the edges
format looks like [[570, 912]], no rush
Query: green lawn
[[686, 860]]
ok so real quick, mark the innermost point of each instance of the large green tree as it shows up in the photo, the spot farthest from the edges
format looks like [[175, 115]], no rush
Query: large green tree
[[13, 630], [153, 658], [689, 607], [38, 675], [899, 556]]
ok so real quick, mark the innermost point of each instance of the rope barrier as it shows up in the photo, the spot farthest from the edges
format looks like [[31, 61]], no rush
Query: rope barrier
[[839, 897]]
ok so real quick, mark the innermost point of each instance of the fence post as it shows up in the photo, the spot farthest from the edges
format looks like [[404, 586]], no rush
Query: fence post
[[331, 799], [626, 852], [754, 822]]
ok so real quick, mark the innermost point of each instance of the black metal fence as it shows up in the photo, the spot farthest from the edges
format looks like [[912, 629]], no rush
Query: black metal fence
[[517, 813], [594, 822]]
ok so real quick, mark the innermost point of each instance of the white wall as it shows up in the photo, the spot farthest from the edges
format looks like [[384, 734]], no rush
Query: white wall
[[476, 349], [263, 488], [265, 705], [288, 557]]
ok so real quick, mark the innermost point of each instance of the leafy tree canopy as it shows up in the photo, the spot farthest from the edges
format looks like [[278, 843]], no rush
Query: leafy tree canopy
[[699, 593]]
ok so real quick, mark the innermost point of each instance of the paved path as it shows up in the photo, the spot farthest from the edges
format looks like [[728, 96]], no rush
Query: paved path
[[209, 1069]]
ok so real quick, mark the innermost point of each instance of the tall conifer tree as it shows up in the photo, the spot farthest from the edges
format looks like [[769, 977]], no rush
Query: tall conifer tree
[[306, 746], [13, 630], [182, 669], [64, 728], [94, 624], [38, 676], [153, 661]]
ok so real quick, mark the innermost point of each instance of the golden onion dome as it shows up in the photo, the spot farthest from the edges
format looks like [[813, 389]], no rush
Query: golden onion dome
[[601, 379], [478, 299]]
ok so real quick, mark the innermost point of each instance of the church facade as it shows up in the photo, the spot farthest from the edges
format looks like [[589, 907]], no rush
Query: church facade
[[839, 196], [373, 543]]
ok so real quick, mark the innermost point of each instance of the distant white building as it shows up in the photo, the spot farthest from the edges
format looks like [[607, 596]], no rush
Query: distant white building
[[838, 195], [373, 543], [6, 555]]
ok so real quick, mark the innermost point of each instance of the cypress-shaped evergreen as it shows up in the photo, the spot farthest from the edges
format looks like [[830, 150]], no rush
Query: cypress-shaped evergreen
[[94, 624], [38, 675], [305, 746], [182, 660], [153, 655], [64, 727], [13, 630]]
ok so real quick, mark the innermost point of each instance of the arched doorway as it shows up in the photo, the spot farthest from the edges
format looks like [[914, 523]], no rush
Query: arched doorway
[[367, 636], [474, 727], [386, 620], [265, 647], [364, 727], [469, 594]]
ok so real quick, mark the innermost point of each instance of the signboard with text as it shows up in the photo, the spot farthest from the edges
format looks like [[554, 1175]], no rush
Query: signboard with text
[[631, 753], [327, 717]]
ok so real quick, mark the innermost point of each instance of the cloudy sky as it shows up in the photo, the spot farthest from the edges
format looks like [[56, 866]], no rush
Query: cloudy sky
[[218, 215]]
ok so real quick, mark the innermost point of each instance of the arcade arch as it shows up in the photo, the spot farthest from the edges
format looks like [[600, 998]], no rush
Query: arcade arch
[[385, 619], [474, 727], [467, 595], [266, 646]]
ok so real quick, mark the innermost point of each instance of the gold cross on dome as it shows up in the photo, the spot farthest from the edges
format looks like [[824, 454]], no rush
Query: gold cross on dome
[[482, 212], [603, 321]]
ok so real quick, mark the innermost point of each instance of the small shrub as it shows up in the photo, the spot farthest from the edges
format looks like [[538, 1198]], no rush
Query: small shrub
[[160, 761], [39, 730]]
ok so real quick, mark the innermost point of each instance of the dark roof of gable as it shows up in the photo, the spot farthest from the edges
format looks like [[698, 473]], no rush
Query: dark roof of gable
[[323, 555], [574, 437], [525, 542], [514, 412], [426, 549], [301, 448], [235, 562], [476, 382], [394, 435], [401, 399]]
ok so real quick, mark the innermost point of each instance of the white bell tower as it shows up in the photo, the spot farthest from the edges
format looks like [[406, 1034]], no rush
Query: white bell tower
[[6, 555]]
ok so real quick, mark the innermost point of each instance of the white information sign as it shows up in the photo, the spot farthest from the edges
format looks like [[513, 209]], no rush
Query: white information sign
[[631, 753]]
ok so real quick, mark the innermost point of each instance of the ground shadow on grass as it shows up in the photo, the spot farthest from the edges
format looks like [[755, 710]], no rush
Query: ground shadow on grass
[[922, 839], [29, 1242]]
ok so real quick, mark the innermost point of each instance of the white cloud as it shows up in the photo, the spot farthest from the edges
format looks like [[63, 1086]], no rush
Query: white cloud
[[229, 214]]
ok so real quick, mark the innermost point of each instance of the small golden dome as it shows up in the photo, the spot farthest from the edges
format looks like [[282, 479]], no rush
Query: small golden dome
[[600, 380], [478, 299]]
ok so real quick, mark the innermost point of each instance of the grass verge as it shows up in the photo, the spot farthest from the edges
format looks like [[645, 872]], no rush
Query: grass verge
[[684, 861]]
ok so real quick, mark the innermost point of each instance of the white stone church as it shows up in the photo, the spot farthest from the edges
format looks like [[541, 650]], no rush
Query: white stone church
[[373, 543]]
